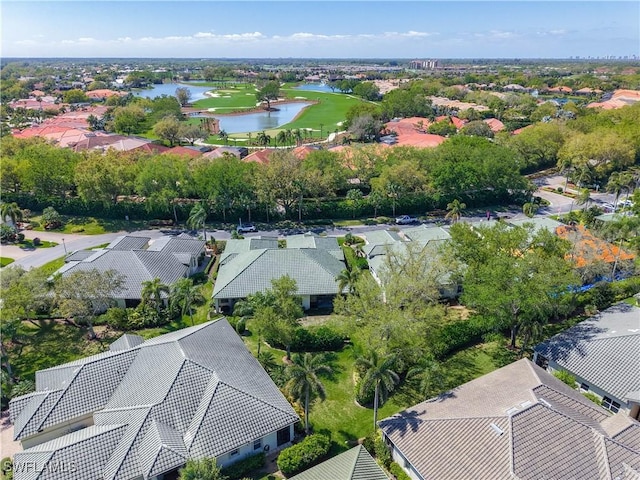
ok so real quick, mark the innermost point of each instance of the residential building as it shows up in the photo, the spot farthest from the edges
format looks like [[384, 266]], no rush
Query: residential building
[[313, 262], [518, 422], [603, 353], [143, 408], [354, 464], [138, 259]]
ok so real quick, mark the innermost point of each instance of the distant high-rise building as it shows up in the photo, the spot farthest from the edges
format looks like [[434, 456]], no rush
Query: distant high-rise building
[[424, 64]]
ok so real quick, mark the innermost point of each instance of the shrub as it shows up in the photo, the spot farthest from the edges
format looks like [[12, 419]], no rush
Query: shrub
[[34, 224], [397, 471], [36, 241], [565, 377], [7, 468], [317, 339], [51, 218], [77, 230], [363, 397], [593, 397], [20, 237], [369, 443], [304, 454], [559, 189], [241, 326], [456, 335], [242, 467], [23, 387], [117, 318], [382, 452]]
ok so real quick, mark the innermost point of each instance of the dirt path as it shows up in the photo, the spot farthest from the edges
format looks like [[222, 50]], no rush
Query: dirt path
[[8, 447]]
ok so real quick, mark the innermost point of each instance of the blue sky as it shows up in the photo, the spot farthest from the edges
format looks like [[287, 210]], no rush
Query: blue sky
[[317, 29]]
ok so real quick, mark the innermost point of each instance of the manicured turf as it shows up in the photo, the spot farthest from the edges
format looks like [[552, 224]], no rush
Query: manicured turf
[[230, 99], [4, 261], [93, 226]]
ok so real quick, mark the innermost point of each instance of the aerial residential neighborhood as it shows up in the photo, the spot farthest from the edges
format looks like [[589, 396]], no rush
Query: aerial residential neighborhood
[[310, 241]]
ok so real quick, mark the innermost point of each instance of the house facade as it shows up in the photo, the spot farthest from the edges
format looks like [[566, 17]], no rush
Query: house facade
[[143, 408], [603, 354]]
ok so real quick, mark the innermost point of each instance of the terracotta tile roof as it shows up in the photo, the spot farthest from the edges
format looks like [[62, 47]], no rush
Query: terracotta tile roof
[[619, 99], [304, 150], [260, 156], [103, 93], [172, 151], [457, 122], [495, 124], [518, 131]]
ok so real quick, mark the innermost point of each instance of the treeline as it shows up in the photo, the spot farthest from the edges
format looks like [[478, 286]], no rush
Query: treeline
[[325, 184]]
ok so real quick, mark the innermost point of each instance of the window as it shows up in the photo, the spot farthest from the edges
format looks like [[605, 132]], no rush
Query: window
[[284, 436], [542, 361], [584, 387], [233, 453], [257, 444], [610, 405]]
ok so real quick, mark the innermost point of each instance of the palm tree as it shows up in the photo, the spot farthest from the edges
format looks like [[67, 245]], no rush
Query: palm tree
[[379, 374], [290, 136], [185, 294], [583, 198], [152, 291], [430, 374], [224, 136], [531, 329], [263, 139], [454, 210], [197, 218], [281, 137], [529, 209], [11, 211], [297, 134], [303, 381], [348, 278]]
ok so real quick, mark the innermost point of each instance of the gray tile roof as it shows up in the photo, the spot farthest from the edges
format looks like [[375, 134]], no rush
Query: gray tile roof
[[354, 464], [136, 266], [603, 350], [187, 394], [518, 422], [179, 244], [235, 246], [126, 341], [311, 240], [538, 223], [425, 233], [129, 242], [78, 256], [314, 271]]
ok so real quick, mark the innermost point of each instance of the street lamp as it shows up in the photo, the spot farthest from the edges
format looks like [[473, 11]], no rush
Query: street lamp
[[65, 247]]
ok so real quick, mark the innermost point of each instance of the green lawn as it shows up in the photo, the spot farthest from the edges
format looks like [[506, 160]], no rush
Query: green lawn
[[4, 261], [93, 226], [52, 266], [26, 243], [230, 99]]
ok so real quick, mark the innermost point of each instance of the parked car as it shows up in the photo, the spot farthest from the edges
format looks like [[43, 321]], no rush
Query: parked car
[[625, 203], [406, 220], [246, 227]]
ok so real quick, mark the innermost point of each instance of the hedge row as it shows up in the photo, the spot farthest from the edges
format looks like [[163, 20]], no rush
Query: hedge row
[[243, 467], [311, 339], [457, 335], [304, 454]]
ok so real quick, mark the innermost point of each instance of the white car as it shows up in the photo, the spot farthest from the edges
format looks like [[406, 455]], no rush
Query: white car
[[246, 227], [406, 220], [625, 203]]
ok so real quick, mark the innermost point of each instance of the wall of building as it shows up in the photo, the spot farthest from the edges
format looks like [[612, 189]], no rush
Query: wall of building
[[248, 449], [57, 431], [400, 459]]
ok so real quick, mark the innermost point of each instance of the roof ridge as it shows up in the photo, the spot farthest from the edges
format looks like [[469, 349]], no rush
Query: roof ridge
[[550, 407], [258, 253], [585, 404], [316, 250]]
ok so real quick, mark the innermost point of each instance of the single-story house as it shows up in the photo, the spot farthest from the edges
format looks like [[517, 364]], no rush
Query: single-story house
[[235, 246], [518, 422], [427, 239], [314, 263], [603, 353], [143, 408], [138, 259], [354, 464]]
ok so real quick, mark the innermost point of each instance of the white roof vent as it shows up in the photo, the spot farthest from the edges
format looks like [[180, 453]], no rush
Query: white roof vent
[[512, 410], [544, 402], [525, 404], [496, 429]]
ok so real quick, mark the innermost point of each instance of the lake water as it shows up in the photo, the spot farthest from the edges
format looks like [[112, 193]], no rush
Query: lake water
[[197, 93], [315, 87], [258, 121]]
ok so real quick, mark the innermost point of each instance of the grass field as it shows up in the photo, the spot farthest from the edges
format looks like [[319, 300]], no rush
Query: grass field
[[4, 261], [92, 226]]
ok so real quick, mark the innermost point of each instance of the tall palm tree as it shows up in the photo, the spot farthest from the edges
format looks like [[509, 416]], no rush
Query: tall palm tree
[[198, 218], [185, 294], [529, 209], [583, 198], [152, 291], [281, 137], [11, 211], [303, 381], [263, 139], [348, 278], [297, 134], [531, 329], [379, 374], [454, 210], [430, 374], [224, 136]]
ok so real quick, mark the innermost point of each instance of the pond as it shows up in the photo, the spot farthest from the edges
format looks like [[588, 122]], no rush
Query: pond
[[258, 121], [197, 93], [315, 87]]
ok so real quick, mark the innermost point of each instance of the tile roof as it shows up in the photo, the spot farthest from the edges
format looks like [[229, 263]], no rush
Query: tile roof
[[314, 271], [538, 223], [259, 156], [187, 394], [518, 422], [354, 464], [128, 242], [596, 348]]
